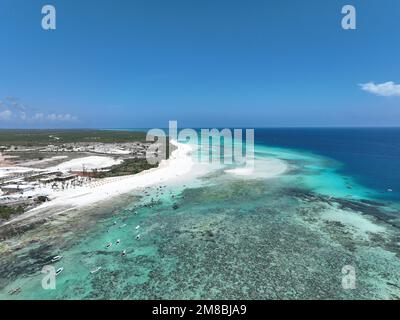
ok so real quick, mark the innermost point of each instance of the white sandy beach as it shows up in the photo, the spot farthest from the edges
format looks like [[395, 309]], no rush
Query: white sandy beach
[[36, 162], [9, 171], [87, 163], [178, 165]]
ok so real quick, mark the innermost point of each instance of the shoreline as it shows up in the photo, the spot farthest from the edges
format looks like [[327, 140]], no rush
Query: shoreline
[[179, 164]]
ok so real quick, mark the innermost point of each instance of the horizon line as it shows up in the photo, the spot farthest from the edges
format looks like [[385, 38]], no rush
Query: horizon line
[[213, 127]]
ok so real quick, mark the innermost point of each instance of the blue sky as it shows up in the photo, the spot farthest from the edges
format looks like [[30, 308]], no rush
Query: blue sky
[[120, 64]]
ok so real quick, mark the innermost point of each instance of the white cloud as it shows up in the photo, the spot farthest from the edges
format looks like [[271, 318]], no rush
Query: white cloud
[[15, 110], [386, 89], [37, 117], [14, 104], [61, 117], [41, 117], [5, 115], [23, 116]]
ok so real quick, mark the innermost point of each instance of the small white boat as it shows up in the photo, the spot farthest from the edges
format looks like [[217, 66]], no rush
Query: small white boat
[[108, 245], [118, 241], [123, 253], [56, 258], [137, 227], [59, 270], [389, 190], [138, 237], [95, 270]]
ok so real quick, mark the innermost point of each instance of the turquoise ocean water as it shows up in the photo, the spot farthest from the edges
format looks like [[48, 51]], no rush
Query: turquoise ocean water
[[222, 236]]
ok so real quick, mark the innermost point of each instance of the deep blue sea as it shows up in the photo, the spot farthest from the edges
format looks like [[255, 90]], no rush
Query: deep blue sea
[[370, 155]]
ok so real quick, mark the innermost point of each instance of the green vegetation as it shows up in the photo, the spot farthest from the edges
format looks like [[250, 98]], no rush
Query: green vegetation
[[7, 211], [129, 166], [45, 137]]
